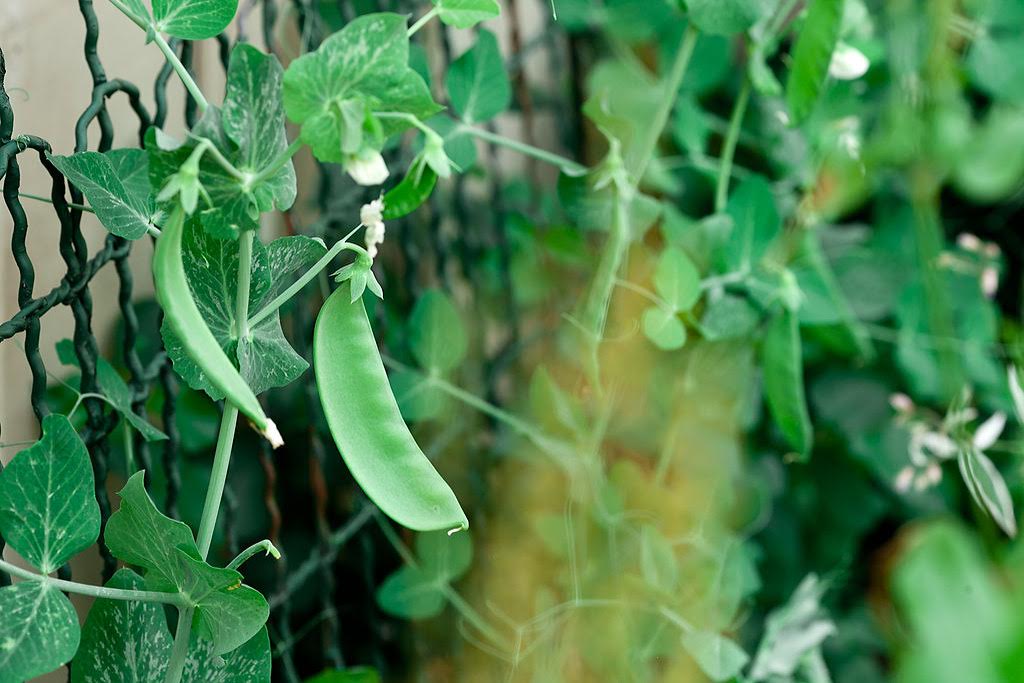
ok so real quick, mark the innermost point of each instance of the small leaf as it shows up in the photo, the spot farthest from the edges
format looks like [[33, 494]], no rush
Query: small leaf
[[812, 56], [193, 19], [664, 328], [478, 81], [366, 65], [792, 631], [726, 17], [467, 13], [677, 280], [782, 362], [756, 224], [115, 389], [419, 592], [717, 656], [728, 317], [113, 186], [658, 563], [988, 488], [38, 632], [48, 509], [436, 333]]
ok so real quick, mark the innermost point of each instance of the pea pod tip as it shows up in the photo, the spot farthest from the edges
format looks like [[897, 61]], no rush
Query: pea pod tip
[[272, 434]]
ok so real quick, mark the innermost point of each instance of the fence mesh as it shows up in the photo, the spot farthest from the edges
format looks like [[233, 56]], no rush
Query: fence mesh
[[321, 594]]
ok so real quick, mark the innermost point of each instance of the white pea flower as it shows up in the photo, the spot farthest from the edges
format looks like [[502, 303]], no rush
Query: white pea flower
[[969, 242], [989, 431], [367, 168], [372, 216], [848, 63], [901, 403]]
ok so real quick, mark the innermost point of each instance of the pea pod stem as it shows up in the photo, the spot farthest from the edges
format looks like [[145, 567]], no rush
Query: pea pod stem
[[283, 298], [93, 591]]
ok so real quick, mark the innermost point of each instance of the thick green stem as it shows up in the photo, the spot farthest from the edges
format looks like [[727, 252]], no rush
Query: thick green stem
[[93, 591], [567, 165], [423, 21], [179, 68], [283, 298], [729, 148], [276, 165], [179, 653], [672, 84]]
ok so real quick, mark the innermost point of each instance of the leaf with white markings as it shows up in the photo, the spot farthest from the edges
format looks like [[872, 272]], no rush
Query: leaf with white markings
[[48, 509], [988, 488], [360, 69], [478, 82], [227, 612], [466, 13], [129, 642], [38, 632], [265, 358], [193, 19], [116, 184]]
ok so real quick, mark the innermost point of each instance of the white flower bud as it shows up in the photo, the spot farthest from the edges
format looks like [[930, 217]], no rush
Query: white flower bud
[[990, 281], [367, 168], [904, 479], [848, 63], [901, 403], [969, 242]]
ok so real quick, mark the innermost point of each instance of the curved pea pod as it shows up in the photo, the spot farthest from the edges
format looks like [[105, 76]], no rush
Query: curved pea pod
[[183, 315], [367, 426], [409, 194]]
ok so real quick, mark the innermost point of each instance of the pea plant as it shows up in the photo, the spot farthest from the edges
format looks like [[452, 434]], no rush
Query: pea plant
[[741, 290]]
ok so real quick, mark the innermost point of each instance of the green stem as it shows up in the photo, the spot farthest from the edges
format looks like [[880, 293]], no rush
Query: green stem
[[179, 68], [467, 612], [206, 145], [125, 10], [668, 100], [40, 198], [263, 546], [276, 165], [423, 21], [595, 312], [283, 297], [129, 449], [568, 165], [179, 652], [729, 148], [93, 591]]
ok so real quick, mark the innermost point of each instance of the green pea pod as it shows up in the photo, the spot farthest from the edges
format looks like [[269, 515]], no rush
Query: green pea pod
[[183, 315], [367, 426], [409, 195]]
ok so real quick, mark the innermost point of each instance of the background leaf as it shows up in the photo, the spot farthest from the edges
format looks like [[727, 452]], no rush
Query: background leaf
[[478, 83], [48, 508], [467, 13], [436, 333], [811, 56], [116, 186], [782, 360]]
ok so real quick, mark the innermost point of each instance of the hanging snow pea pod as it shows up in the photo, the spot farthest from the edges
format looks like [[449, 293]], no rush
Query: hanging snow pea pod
[[188, 324], [367, 426]]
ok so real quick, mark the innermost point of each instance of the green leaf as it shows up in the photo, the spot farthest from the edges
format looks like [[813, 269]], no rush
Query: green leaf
[[418, 398], [265, 359], [812, 55], [626, 118], [728, 317], [677, 280], [129, 641], [114, 388], [782, 362], [226, 612], [792, 631], [138, 8], [142, 536], [756, 224], [38, 632], [664, 328], [123, 640], [116, 185], [356, 675], [193, 19], [419, 592], [478, 83], [436, 333], [995, 64], [658, 563], [48, 509], [988, 488], [409, 194], [253, 118], [726, 17], [466, 13], [717, 656], [365, 66]]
